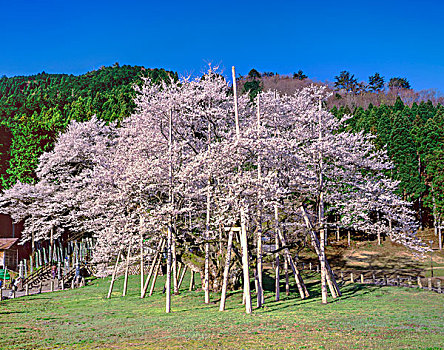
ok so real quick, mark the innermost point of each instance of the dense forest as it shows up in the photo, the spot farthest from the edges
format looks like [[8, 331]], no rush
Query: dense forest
[[34, 109]]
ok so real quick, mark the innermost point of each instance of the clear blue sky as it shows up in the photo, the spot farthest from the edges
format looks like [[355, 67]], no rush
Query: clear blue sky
[[394, 38]]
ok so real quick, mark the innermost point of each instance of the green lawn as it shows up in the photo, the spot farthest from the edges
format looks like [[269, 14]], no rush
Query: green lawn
[[364, 317]]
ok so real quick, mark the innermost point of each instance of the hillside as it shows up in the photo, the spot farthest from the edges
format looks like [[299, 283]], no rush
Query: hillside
[[34, 109]]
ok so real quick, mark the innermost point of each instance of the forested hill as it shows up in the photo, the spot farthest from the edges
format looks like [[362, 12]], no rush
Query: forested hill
[[34, 109]]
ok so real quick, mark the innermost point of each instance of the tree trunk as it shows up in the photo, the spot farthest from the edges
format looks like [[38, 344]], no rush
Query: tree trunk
[[245, 264], [226, 271]]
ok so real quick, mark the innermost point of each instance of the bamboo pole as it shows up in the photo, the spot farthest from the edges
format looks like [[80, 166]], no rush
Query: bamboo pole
[[226, 271], [113, 276]]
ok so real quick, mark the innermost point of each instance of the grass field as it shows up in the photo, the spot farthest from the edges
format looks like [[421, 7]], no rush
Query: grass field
[[364, 317]]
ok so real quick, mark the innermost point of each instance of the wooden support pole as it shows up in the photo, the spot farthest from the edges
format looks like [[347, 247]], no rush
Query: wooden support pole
[[352, 280], [419, 282], [174, 267], [303, 292], [156, 272], [362, 278], [168, 276], [276, 255], [438, 285], [244, 244], [112, 278], [429, 283], [125, 282], [226, 271], [331, 281], [141, 228], [191, 281], [157, 256], [27, 289], [287, 284], [185, 267]]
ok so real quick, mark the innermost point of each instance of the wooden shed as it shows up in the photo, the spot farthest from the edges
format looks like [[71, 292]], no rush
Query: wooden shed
[[9, 253]]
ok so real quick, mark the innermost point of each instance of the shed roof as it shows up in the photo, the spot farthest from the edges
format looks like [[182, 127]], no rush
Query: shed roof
[[6, 243]]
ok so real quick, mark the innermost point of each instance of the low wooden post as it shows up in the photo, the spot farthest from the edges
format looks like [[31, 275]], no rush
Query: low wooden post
[[63, 284], [398, 281], [51, 285], [27, 289], [362, 278], [438, 284], [419, 282], [352, 280], [309, 266], [384, 280], [429, 282], [72, 283], [40, 287]]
